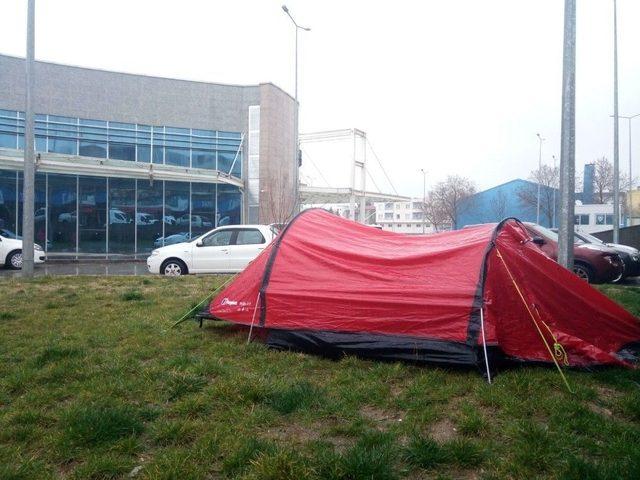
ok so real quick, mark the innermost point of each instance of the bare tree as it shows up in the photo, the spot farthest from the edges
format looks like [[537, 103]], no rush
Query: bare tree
[[549, 178], [278, 198], [447, 200], [603, 180], [499, 206]]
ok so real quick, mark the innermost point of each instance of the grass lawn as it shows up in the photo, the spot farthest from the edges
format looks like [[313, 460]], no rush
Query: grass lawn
[[95, 384]]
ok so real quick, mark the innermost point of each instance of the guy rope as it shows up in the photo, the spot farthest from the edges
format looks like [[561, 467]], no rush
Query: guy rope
[[560, 353]]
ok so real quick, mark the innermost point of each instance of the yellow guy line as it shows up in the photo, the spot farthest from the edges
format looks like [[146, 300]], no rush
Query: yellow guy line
[[553, 357]]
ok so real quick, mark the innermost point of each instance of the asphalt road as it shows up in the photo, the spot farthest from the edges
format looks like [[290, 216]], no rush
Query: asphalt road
[[97, 268]]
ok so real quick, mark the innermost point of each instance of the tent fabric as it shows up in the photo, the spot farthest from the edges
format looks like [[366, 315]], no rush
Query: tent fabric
[[332, 286]]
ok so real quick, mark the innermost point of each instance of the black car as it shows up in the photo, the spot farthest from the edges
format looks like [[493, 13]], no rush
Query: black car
[[630, 256]]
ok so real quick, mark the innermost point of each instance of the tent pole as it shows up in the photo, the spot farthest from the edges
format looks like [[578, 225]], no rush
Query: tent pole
[[253, 317], [484, 342]]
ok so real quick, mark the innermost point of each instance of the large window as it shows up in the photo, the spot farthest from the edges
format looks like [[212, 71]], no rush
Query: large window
[[87, 214], [92, 138], [8, 129], [229, 205], [122, 141], [149, 215], [177, 146], [182, 147], [122, 211], [62, 212], [92, 216], [62, 135], [203, 208], [178, 220], [8, 200]]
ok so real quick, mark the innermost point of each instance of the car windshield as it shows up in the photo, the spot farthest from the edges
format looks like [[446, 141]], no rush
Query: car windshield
[[545, 232], [588, 238]]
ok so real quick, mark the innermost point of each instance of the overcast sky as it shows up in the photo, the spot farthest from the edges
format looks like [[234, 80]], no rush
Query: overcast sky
[[455, 87]]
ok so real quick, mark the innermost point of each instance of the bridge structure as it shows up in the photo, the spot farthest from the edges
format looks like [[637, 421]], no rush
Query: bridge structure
[[341, 167]]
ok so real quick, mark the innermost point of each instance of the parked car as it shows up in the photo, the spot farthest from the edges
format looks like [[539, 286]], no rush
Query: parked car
[[69, 217], [11, 253], [9, 234], [118, 217], [593, 263], [630, 256], [145, 219], [195, 220], [224, 249], [169, 219], [172, 239]]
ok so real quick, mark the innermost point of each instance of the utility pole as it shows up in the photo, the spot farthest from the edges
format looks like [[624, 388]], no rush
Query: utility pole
[[424, 200], [296, 165], [28, 192], [616, 146], [568, 138], [539, 179]]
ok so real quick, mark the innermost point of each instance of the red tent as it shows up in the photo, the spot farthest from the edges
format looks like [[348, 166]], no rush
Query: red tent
[[332, 286]]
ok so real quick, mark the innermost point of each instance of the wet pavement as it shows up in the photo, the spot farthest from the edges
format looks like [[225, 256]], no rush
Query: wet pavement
[[96, 268]]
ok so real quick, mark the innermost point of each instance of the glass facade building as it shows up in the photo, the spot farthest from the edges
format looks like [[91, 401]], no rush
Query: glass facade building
[[180, 147], [85, 214]]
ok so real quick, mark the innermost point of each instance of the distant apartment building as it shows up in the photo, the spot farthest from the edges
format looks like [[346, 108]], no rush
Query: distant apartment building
[[403, 217], [595, 217]]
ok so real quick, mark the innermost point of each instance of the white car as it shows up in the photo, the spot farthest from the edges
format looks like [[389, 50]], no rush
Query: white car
[[11, 253], [226, 249]]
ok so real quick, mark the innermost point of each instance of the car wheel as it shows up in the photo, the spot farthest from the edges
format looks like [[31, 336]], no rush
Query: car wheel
[[173, 268], [583, 272], [14, 260]]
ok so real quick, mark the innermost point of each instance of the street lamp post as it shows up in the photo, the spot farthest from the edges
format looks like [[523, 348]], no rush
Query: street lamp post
[[629, 118], [28, 189], [296, 164], [424, 200], [616, 146], [541, 139]]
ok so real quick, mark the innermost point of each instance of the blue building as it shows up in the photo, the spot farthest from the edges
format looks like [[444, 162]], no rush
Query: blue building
[[516, 198]]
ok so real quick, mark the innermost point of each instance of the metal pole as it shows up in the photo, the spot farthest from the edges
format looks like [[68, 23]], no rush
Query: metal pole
[[28, 189], [424, 199], [363, 180], [616, 152], [296, 164], [568, 137], [352, 198], [630, 155], [539, 175]]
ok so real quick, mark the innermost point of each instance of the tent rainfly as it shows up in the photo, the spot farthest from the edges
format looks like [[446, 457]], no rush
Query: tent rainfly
[[471, 297]]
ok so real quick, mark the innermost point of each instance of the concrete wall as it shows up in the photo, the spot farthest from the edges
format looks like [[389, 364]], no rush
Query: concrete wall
[[102, 95], [278, 163]]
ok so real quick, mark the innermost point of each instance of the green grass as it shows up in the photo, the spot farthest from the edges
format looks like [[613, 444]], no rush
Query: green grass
[[94, 383]]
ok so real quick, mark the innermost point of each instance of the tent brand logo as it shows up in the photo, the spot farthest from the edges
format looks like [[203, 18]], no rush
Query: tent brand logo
[[226, 301]]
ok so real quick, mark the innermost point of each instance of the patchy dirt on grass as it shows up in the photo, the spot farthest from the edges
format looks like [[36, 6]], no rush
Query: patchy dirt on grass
[[300, 434], [443, 430], [383, 419], [595, 408]]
